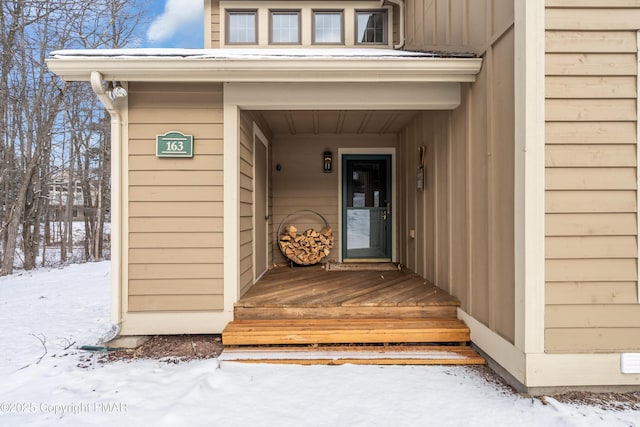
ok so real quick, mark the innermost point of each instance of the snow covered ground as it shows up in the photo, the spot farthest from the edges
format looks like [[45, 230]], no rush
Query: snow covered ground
[[54, 309]]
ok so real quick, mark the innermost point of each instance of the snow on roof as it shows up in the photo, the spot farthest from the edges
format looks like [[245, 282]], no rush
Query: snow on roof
[[249, 54]]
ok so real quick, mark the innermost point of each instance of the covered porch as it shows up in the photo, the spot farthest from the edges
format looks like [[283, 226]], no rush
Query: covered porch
[[381, 315], [383, 291]]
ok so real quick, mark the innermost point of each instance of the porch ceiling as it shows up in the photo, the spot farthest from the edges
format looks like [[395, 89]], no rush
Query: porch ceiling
[[290, 122]]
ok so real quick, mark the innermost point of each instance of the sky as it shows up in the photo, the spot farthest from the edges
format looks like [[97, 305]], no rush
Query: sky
[[175, 23]]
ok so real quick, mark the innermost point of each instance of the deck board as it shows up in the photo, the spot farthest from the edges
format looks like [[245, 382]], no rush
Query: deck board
[[332, 331], [306, 291], [361, 355]]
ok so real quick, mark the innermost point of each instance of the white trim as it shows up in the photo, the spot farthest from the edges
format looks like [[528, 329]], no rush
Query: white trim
[[549, 370], [266, 69], [529, 176], [124, 208], [577, 370], [178, 322], [231, 204], [345, 96], [502, 351], [117, 261], [259, 135], [394, 185]]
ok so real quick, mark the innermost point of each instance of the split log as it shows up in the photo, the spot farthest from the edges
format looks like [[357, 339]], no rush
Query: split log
[[307, 248]]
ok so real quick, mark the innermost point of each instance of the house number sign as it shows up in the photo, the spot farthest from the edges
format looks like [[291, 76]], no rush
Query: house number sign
[[174, 144]]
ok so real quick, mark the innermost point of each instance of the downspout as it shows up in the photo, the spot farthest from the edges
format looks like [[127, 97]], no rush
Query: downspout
[[400, 4], [116, 260]]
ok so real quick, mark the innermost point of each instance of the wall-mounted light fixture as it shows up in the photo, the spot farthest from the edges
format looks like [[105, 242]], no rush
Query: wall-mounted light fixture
[[328, 160], [116, 91]]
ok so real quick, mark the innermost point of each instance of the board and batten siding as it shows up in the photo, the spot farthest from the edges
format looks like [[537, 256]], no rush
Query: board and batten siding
[[464, 220], [591, 236], [301, 183], [247, 122], [246, 202], [175, 205]]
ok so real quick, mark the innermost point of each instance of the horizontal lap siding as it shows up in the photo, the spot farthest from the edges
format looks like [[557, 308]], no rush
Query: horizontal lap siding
[[175, 205], [591, 179], [215, 23]]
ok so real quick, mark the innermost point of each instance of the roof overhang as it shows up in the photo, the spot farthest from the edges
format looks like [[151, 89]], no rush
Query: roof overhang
[[263, 65]]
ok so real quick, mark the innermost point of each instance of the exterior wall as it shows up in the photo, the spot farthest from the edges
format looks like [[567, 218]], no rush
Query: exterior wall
[[302, 184], [464, 221], [246, 202], [456, 25], [175, 207], [306, 27], [212, 25], [247, 121], [591, 177]]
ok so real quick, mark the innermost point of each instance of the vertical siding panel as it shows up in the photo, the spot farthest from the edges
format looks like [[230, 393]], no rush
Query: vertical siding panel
[[502, 217], [442, 204], [459, 207], [246, 200], [478, 196]]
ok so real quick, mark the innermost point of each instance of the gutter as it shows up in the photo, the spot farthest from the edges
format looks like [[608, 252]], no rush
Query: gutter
[[116, 226], [180, 69], [400, 4]]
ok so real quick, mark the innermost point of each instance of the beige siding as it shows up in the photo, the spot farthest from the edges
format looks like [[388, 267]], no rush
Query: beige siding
[[464, 220], [215, 23], [591, 180], [175, 205], [246, 202], [457, 25], [302, 184], [247, 120]]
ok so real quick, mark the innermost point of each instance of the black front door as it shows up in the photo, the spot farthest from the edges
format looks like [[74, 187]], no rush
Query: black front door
[[366, 208]]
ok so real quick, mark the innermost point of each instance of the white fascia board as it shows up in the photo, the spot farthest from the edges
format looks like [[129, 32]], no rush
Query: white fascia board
[[268, 70]]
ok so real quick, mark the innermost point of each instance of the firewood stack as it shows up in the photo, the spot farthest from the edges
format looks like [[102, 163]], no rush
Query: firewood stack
[[307, 248]]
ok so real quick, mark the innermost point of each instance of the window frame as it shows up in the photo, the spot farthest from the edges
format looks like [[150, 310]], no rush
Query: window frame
[[315, 12], [229, 12], [385, 26], [297, 12]]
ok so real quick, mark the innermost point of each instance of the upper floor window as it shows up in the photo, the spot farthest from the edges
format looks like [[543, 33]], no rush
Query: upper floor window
[[371, 26], [242, 26], [285, 26], [328, 27]]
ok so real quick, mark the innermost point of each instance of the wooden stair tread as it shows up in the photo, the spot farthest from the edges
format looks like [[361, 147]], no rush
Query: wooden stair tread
[[370, 355], [342, 312], [327, 331]]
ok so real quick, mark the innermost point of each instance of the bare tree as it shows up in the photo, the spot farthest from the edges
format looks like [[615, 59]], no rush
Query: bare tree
[[34, 105]]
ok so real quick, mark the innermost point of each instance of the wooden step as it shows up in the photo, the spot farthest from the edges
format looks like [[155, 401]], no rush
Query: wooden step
[[339, 331], [318, 311], [359, 355]]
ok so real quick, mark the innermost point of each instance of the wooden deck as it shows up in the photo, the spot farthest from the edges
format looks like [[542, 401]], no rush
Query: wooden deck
[[313, 293], [298, 315]]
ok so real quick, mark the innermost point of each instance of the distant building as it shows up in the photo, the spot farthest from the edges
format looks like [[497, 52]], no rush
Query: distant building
[[59, 196]]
